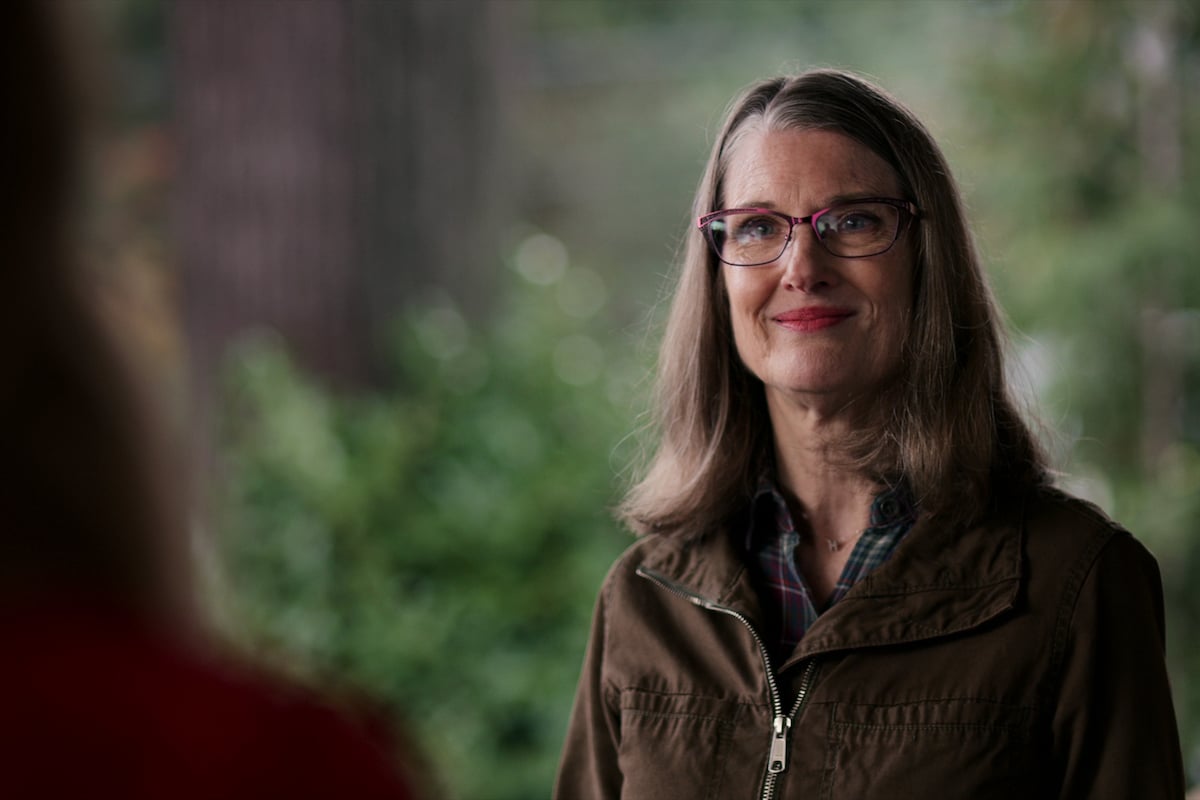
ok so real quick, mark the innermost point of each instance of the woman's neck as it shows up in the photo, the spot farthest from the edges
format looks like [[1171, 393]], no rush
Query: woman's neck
[[822, 489]]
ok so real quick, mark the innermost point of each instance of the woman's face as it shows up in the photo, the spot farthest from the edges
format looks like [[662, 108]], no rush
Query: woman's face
[[817, 330]]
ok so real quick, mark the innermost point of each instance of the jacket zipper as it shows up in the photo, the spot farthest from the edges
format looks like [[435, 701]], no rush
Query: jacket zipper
[[777, 762]]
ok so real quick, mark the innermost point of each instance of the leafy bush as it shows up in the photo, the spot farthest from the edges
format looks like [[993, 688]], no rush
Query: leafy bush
[[438, 545]]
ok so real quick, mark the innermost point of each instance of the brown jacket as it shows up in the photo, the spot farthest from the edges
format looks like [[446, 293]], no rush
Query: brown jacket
[[1020, 659]]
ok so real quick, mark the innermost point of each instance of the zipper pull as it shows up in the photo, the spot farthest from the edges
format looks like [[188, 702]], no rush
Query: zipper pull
[[779, 745]]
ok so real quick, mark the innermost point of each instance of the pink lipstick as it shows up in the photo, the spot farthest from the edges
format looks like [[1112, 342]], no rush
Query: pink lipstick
[[812, 318]]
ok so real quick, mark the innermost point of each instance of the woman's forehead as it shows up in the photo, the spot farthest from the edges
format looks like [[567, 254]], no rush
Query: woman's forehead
[[813, 164]]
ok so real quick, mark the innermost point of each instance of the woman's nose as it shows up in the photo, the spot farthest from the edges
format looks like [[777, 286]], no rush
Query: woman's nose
[[806, 263]]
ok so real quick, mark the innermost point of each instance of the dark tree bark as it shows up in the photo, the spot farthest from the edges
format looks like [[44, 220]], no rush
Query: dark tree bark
[[433, 76], [265, 180], [336, 161]]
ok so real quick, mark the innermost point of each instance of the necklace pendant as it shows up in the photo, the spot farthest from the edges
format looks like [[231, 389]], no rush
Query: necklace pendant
[[833, 545]]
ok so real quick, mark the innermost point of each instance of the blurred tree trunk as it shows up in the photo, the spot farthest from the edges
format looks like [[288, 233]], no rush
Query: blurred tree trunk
[[1152, 56], [434, 79], [336, 162]]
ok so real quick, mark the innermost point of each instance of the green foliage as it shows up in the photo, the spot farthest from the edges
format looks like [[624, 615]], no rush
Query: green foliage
[[439, 545], [1084, 172]]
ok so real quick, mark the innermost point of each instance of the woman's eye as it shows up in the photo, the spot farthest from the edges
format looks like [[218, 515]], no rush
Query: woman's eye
[[857, 222], [851, 221], [757, 229]]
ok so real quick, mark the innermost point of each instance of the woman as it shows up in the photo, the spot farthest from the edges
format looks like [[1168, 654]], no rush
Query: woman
[[853, 578], [105, 690]]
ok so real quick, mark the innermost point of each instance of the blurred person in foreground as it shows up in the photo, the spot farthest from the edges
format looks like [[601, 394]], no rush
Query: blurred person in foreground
[[105, 688], [854, 578]]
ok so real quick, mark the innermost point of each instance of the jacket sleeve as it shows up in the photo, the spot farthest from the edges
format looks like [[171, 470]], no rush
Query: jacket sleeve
[[1115, 735], [588, 769]]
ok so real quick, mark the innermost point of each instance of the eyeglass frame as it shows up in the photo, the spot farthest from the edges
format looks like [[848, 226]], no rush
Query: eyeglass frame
[[906, 206]]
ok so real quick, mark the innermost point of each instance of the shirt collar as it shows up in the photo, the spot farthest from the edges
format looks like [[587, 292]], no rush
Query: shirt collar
[[770, 515]]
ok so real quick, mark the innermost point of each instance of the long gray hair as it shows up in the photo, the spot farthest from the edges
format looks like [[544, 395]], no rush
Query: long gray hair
[[946, 426]]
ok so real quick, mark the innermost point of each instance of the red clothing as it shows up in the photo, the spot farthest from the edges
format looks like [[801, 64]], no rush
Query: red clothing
[[96, 705]]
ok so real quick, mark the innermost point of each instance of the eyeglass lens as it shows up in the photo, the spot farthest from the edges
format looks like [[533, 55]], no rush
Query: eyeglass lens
[[852, 230]]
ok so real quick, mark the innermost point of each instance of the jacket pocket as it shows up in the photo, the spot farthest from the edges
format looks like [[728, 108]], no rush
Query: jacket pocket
[[946, 748], [674, 745]]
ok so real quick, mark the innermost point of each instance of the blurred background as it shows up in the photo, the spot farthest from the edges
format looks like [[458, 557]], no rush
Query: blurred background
[[397, 267]]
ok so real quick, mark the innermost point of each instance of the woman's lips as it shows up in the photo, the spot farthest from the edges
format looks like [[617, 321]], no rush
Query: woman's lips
[[812, 318]]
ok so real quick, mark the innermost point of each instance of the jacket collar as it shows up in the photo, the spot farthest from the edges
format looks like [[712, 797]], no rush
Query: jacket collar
[[939, 581]]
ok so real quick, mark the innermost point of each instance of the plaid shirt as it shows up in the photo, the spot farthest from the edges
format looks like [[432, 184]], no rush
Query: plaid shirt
[[771, 544]]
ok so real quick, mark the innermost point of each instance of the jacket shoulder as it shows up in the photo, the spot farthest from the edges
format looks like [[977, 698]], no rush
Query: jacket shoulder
[[1073, 542], [623, 572], [1061, 524]]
